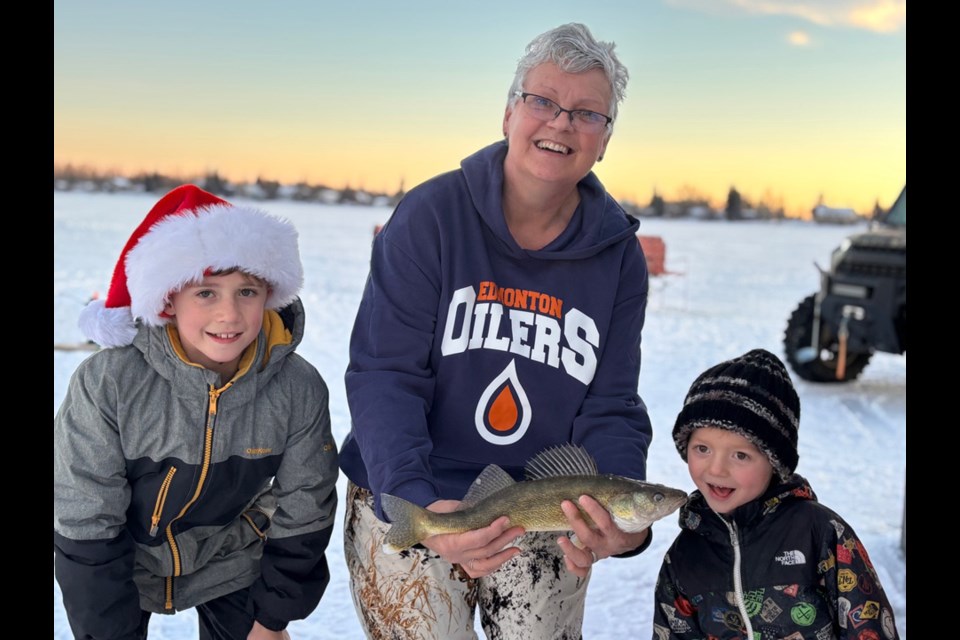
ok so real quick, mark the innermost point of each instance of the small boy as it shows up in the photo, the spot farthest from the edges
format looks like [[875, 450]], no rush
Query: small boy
[[193, 461], [758, 557]]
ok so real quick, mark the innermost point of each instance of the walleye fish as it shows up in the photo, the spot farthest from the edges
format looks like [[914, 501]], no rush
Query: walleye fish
[[560, 473]]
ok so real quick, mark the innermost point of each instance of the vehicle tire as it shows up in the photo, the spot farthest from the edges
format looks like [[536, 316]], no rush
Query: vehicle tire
[[822, 368]]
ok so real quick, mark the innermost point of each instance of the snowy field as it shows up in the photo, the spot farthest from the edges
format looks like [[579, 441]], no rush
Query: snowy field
[[735, 286]]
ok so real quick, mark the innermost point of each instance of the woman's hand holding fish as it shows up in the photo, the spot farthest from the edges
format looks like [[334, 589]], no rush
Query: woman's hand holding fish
[[606, 540], [578, 560], [481, 551]]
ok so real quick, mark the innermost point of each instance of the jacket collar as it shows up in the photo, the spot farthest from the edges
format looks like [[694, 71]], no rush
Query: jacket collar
[[282, 331]]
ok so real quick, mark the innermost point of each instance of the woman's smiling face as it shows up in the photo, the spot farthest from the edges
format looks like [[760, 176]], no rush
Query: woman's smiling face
[[554, 151]]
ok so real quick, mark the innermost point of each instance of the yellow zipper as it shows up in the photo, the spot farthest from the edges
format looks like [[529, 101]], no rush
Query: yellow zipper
[[214, 394], [161, 500], [176, 566]]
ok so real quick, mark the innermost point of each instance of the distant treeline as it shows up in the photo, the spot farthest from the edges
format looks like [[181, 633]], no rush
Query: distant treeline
[[692, 204], [689, 203], [71, 178]]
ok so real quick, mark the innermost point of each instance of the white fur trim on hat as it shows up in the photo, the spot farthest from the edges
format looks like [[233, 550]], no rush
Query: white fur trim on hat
[[179, 249]]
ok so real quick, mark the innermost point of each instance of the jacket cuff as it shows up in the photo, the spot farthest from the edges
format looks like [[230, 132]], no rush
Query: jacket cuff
[[419, 492], [274, 624], [643, 547]]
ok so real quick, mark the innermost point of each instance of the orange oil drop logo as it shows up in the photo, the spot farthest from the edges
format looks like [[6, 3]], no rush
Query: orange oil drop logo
[[503, 411]]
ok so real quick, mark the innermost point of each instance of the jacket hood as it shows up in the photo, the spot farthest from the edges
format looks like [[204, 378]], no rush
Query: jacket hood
[[597, 223], [280, 334], [696, 515]]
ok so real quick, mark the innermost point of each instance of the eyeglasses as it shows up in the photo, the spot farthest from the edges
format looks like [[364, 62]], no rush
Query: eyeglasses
[[546, 110]]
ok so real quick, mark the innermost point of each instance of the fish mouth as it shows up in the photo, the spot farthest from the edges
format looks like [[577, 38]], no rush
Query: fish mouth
[[675, 503], [553, 147], [645, 517]]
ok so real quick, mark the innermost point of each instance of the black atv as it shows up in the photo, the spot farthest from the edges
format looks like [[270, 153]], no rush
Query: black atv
[[861, 306]]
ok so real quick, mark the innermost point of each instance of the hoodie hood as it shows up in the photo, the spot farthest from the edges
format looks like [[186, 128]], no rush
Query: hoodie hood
[[597, 223]]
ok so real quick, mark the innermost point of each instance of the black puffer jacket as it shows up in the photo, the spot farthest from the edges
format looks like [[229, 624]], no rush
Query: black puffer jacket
[[781, 566]]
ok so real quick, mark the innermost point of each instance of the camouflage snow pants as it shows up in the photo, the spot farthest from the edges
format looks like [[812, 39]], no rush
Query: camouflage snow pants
[[417, 595]]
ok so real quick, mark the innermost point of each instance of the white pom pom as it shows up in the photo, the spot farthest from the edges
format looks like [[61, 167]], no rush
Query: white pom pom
[[107, 327]]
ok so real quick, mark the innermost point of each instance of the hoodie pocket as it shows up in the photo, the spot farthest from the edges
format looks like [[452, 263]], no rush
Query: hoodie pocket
[[161, 501]]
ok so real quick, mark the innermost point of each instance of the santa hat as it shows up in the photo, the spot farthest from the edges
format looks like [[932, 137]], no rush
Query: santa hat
[[186, 235]]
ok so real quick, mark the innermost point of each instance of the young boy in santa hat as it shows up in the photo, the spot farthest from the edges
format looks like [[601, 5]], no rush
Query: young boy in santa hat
[[757, 556], [193, 460]]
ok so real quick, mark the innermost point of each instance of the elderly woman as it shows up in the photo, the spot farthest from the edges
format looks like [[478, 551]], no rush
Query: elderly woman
[[502, 316]]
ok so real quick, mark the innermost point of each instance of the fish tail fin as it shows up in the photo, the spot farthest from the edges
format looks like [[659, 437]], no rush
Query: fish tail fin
[[407, 521]]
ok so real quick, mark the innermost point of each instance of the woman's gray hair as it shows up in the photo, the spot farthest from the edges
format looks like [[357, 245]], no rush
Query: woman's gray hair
[[574, 50]]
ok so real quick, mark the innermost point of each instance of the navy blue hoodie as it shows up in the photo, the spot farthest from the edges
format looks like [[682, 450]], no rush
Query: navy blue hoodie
[[469, 350]]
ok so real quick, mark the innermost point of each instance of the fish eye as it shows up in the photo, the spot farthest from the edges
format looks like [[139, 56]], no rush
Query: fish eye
[[658, 497]]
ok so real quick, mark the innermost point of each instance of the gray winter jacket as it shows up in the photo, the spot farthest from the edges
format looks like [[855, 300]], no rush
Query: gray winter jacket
[[170, 492]]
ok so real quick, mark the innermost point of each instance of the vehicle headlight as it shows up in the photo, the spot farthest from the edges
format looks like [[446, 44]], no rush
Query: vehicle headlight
[[849, 290]]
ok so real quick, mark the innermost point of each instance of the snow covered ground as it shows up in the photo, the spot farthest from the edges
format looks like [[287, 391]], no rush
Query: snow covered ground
[[736, 285]]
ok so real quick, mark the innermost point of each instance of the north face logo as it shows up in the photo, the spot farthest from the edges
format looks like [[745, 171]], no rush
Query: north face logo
[[788, 558]]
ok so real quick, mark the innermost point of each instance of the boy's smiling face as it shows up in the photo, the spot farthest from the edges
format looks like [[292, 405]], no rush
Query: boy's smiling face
[[727, 468], [218, 318]]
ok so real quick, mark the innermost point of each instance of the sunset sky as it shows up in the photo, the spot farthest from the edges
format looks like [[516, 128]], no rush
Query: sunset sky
[[786, 100]]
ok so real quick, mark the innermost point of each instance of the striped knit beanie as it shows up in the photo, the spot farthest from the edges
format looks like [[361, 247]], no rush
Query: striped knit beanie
[[751, 396]]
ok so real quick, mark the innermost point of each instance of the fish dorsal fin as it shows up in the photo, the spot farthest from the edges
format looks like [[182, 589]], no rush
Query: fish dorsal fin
[[562, 460], [491, 480]]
